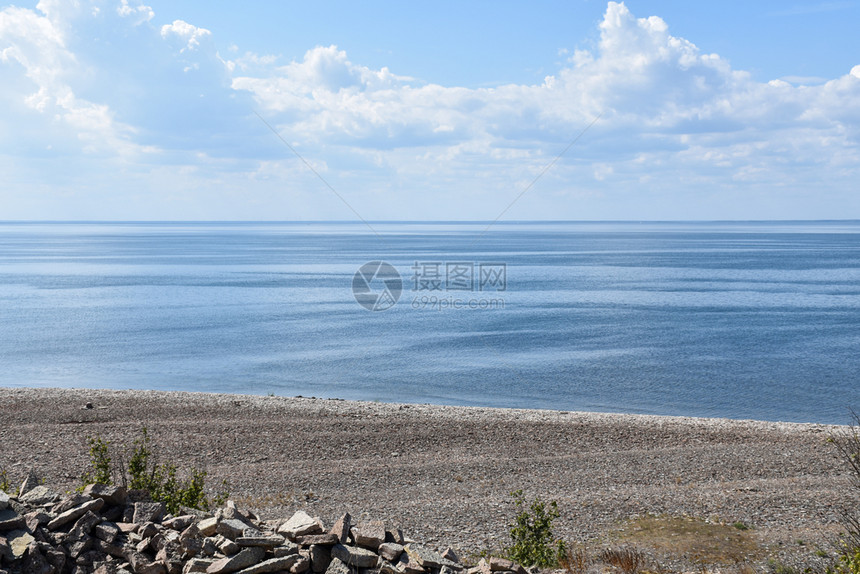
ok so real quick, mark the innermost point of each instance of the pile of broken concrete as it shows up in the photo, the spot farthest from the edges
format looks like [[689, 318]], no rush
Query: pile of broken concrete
[[110, 530]]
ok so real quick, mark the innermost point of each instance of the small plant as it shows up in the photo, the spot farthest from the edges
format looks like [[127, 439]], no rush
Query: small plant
[[100, 469], [848, 561], [532, 541], [741, 526], [5, 485], [628, 560], [145, 473]]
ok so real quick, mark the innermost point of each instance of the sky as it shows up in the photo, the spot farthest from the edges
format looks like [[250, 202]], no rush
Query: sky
[[575, 109]]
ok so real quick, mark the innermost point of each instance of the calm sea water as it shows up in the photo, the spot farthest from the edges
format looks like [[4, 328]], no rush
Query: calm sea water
[[741, 320]]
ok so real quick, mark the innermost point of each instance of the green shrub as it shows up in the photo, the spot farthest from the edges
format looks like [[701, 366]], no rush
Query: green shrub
[[5, 485], [100, 470], [848, 448], [532, 541], [145, 473]]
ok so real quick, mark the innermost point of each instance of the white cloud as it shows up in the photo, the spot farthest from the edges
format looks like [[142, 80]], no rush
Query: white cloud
[[189, 34], [138, 14], [34, 47]]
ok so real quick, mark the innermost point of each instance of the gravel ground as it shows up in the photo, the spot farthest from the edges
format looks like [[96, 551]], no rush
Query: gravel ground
[[444, 474]]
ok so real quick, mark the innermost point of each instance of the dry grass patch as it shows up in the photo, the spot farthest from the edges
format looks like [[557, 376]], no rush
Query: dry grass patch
[[694, 539]]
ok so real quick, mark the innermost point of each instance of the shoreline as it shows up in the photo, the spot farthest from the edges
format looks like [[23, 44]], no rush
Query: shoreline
[[444, 473]]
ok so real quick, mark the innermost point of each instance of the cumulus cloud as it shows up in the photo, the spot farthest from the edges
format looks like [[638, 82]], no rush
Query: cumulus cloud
[[189, 34], [675, 120], [34, 46], [138, 14]]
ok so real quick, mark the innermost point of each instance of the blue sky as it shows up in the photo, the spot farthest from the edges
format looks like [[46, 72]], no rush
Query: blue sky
[[120, 109]]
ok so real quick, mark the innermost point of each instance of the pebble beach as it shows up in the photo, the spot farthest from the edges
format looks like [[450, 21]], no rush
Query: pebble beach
[[444, 474]]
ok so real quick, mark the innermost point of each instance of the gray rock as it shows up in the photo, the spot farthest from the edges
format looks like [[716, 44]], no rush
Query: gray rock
[[231, 528], [76, 512], [87, 522], [354, 556], [320, 558], [35, 562], [449, 554], [179, 522], [4, 500], [107, 531], [273, 565], [191, 540], [285, 549], [338, 567], [408, 565], [18, 541], [369, 534], [112, 495], [263, 541], [395, 535], [341, 528], [38, 495], [5, 550], [299, 524], [70, 502], [208, 526], [30, 482], [324, 539], [244, 559], [11, 520], [147, 512], [424, 556], [303, 564], [197, 565], [141, 564], [390, 551]]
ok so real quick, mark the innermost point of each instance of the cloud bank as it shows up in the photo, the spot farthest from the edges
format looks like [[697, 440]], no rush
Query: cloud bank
[[680, 134]]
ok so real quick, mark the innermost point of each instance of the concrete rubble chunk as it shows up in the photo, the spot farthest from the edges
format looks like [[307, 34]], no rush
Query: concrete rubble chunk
[[341, 528], [391, 551], [112, 495], [243, 559], [147, 512], [354, 556], [76, 512], [300, 524], [38, 496], [272, 565], [369, 534]]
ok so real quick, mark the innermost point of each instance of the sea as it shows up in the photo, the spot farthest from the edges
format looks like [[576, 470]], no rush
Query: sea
[[744, 320]]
